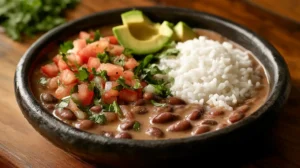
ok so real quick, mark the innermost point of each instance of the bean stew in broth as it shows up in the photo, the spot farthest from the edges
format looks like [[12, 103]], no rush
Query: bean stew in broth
[[148, 116]]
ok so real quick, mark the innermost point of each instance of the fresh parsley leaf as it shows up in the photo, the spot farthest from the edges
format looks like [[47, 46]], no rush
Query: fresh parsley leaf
[[158, 104], [64, 47], [104, 57], [161, 90], [98, 118], [108, 108], [117, 109], [136, 126], [122, 83], [91, 86], [83, 74], [43, 81]]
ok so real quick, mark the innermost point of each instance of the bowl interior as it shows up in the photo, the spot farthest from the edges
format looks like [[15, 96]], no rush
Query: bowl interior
[[265, 53]]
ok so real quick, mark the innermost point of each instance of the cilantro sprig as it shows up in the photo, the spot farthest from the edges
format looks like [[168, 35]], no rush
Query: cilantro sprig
[[83, 74]]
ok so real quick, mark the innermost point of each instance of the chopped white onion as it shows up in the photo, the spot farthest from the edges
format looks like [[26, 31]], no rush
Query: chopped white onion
[[108, 86], [149, 88]]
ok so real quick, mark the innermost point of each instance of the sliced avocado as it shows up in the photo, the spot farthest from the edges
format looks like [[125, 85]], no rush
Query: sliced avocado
[[143, 39], [135, 16], [183, 32]]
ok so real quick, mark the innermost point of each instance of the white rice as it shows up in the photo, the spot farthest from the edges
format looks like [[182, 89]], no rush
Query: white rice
[[210, 72]]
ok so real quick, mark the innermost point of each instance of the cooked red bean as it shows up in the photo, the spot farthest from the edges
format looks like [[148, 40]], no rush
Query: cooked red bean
[[139, 109], [223, 125], [179, 126], [148, 96], [163, 117], [194, 115], [242, 109], [166, 108], [201, 130], [139, 102], [209, 122], [156, 132], [110, 116], [127, 125], [216, 112], [123, 135], [235, 117], [65, 114], [96, 109], [128, 114], [50, 107], [84, 124], [48, 98], [175, 101]]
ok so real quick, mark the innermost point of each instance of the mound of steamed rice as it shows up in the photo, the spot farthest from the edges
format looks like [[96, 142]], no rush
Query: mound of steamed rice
[[210, 72]]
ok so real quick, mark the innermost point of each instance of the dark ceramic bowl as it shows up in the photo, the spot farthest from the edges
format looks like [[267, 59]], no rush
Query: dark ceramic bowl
[[235, 138]]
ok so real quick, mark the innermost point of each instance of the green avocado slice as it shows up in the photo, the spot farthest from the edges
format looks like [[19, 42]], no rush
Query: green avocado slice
[[143, 39], [183, 32], [135, 16]]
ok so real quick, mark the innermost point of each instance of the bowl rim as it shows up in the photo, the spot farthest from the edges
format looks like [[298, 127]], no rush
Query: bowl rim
[[28, 101]]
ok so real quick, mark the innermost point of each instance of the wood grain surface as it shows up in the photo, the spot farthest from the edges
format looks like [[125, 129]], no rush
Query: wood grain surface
[[22, 146]]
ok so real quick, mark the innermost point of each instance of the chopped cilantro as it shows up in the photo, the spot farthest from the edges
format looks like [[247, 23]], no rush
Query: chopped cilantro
[[91, 85], [162, 90], [74, 89], [158, 104], [43, 81], [122, 84], [117, 109], [143, 64], [168, 52], [118, 60], [137, 84], [108, 108], [97, 35], [98, 118], [102, 74], [104, 57], [136, 126], [64, 47], [82, 74]]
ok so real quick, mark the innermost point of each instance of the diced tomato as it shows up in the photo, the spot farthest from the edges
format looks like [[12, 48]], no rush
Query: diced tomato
[[63, 91], [112, 70], [113, 40], [110, 96], [128, 75], [84, 35], [79, 44], [85, 95], [62, 65], [131, 63], [128, 95], [93, 63], [67, 77], [56, 59], [116, 50], [53, 83], [92, 50], [50, 70], [74, 60]]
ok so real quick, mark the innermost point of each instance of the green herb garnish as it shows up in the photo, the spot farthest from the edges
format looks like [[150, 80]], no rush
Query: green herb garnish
[[64, 102], [127, 51], [143, 64], [168, 52], [104, 57], [102, 74], [64, 47], [74, 89], [122, 84], [137, 84], [30, 17], [117, 109], [158, 104], [136, 126], [162, 90], [83, 74], [98, 118], [108, 108]]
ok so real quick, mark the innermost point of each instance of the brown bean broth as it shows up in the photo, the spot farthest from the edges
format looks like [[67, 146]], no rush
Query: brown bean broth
[[144, 119]]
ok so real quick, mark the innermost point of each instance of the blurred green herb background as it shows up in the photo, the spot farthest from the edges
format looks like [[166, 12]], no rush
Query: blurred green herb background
[[29, 17]]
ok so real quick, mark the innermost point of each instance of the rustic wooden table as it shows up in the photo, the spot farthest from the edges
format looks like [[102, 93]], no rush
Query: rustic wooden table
[[22, 146]]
